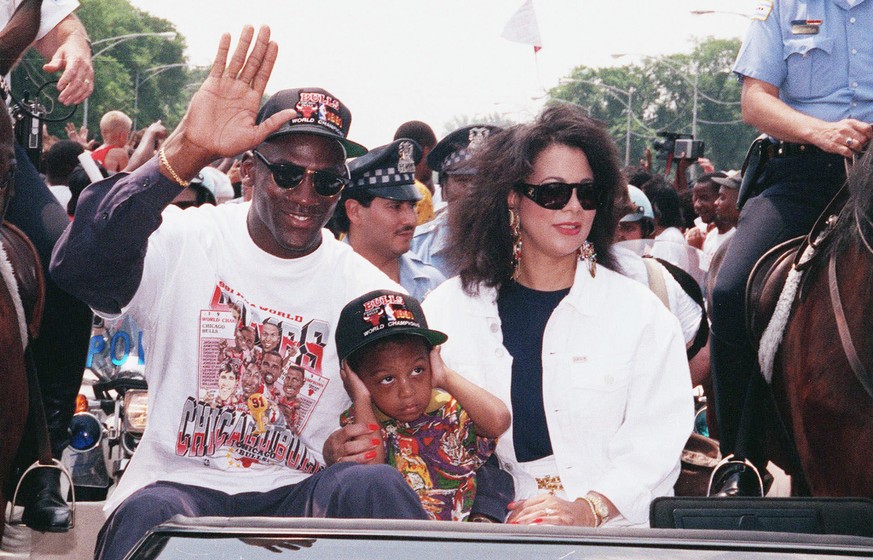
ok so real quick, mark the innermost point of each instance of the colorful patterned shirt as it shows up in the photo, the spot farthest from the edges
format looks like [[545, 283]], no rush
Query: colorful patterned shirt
[[438, 454]]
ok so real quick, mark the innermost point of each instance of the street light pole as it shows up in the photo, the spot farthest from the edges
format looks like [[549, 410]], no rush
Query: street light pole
[[694, 85], [627, 105], [149, 73], [627, 139], [694, 106], [112, 42], [707, 12]]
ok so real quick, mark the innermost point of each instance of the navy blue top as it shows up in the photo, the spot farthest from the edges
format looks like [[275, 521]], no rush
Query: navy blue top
[[523, 316]]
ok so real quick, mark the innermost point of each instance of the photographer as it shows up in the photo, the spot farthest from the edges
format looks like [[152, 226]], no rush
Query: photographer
[[807, 84], [60, 350]]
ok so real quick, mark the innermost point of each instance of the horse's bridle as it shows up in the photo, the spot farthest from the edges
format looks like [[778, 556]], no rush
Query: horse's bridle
[[849, 350]]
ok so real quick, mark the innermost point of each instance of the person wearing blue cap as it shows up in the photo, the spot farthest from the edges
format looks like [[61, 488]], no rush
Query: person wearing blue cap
[[451, 159], [193, 279], [377, 214]]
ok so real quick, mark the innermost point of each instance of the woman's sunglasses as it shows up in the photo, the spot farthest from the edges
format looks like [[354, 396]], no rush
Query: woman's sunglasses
[[289, 176], [554, 196]]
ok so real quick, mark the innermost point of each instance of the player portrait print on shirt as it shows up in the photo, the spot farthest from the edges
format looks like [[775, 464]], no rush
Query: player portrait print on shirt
[[259, 380]]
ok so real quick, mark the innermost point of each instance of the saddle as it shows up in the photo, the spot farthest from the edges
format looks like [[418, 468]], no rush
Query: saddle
[[769, 274], [28, 274], [765, 285]]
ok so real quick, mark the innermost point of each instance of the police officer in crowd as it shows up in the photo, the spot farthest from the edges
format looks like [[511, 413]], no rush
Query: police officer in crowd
[[377, 214], [805, 68], [60, 349], [451, 159]]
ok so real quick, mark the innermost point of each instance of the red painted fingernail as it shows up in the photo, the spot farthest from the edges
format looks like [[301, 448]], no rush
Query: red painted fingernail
[[373, 427], [375, 441], [370, 455], [537, 520]]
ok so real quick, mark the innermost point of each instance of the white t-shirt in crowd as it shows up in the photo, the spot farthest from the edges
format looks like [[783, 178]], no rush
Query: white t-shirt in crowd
[[714, 240], [204, 278]]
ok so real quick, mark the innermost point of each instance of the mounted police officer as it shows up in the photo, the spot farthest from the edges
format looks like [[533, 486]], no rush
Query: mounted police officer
[[805, 67]]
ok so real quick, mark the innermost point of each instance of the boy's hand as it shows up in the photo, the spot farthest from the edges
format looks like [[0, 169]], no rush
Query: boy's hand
[[438, 369], [354, 386]]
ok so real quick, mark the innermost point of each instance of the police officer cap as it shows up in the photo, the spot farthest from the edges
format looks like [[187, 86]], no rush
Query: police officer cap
[[387, 171], [452, 152]]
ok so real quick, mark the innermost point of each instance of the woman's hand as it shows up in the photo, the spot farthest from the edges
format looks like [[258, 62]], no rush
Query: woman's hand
[[358, 443], [548, 509]]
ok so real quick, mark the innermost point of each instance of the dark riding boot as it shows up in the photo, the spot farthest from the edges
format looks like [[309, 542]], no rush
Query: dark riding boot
[[737, 480], [44, 507]]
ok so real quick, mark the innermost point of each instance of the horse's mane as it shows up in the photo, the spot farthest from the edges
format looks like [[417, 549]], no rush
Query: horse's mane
[[858, 210]]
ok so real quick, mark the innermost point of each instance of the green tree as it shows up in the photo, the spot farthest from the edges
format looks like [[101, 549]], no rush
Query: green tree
[[162, 95], [663, 99]]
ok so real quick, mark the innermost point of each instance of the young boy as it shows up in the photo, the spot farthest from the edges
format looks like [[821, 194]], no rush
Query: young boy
[[438, 427]]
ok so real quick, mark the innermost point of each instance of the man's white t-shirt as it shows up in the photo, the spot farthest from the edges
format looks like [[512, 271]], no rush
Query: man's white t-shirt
[[204, 279]]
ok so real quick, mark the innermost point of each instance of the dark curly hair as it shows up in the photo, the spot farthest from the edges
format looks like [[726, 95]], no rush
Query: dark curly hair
[[480, 247]]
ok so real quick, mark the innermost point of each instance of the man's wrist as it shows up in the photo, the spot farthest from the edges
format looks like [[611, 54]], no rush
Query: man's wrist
[[185, 159]]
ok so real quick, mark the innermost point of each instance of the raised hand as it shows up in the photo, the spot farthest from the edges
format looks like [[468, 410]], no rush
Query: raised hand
[[221, 117], [220, 120], [77, 80]]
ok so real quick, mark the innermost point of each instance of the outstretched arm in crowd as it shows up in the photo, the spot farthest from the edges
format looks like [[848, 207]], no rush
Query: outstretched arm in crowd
[[154, 135], [100, 256], [68, 48]]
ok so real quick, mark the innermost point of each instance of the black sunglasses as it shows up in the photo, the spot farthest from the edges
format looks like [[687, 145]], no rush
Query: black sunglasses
[[289, 175], [554, 196]]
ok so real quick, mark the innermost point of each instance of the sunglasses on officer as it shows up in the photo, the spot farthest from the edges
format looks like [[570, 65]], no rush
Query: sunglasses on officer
[[554, 196], [289, 176]]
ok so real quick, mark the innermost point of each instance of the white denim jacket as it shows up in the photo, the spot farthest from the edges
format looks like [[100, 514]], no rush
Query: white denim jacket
[[616, 386]]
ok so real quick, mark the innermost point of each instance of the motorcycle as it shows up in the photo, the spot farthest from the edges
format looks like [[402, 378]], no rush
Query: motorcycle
[[111, 410]]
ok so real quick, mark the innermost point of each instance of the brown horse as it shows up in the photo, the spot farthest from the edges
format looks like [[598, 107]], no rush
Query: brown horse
[[15, 273], [822, 383]]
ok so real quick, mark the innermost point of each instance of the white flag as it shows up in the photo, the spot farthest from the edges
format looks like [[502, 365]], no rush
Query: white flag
[[522, 27]]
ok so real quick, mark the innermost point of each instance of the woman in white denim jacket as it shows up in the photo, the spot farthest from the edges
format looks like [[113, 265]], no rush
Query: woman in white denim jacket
[[590, 362]]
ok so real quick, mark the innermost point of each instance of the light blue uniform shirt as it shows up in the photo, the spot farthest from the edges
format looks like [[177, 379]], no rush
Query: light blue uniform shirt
[[430, 242], [827, 75], [416, 277]]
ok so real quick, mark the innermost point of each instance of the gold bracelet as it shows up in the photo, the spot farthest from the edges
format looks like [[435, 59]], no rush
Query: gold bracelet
[[597, 520], [162, 158]]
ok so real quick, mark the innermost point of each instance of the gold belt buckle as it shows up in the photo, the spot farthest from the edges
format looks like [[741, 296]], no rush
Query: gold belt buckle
[[550, 483]]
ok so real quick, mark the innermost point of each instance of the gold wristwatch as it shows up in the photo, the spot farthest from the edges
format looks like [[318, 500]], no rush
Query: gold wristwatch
[[600, 508]]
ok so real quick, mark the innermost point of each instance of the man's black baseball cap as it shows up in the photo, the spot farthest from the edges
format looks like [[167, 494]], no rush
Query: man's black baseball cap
[[318, 112]]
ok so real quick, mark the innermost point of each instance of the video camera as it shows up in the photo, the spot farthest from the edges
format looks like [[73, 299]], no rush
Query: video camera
[[28, 115], [680, 146]]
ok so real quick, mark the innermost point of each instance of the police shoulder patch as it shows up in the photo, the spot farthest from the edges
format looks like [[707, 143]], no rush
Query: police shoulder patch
[[762, 10]]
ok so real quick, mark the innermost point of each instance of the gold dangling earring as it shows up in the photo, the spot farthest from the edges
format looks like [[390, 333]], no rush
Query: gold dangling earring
[[515, 227], [586, 253]]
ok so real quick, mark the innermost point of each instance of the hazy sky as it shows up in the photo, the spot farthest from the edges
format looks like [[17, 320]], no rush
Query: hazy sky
[[396, 60]]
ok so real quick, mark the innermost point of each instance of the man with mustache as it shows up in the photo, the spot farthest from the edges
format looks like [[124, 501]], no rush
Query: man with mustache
[[377, 212]]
